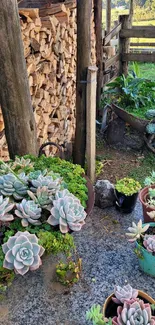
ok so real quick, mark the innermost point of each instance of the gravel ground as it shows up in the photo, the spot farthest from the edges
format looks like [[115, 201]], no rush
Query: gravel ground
[[107, 259]]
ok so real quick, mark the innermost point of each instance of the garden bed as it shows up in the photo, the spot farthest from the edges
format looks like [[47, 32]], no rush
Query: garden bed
[[107, 260]]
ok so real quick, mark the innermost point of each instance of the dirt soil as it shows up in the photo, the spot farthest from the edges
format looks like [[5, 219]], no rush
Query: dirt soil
[[120, 163]]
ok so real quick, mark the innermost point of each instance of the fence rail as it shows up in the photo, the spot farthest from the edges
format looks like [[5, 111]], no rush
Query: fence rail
[[126, 51]]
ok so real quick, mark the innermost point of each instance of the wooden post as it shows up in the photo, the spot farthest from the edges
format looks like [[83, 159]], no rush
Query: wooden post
[[84, 10], [124, 44], [108, 16], [99, 48], [91, 122], [15, 96], [131, 12]]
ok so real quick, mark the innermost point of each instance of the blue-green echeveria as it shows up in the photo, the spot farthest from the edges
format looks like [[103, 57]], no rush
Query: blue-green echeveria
[[67, 212], [10, 185], [52, 184], [22, 253], [29, 212]]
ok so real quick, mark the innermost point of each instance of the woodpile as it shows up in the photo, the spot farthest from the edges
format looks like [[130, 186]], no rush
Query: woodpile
[[49, 38]]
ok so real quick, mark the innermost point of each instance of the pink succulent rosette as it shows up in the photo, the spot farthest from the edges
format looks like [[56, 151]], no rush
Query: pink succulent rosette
[[136, 313]]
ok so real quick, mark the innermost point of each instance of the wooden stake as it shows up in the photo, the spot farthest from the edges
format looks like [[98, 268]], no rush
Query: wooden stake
[[84, 9], [124, 44], [91, 122], [108, 16], [99, 48]]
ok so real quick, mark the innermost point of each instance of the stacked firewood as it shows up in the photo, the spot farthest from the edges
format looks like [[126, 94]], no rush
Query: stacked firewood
[[49, 38]]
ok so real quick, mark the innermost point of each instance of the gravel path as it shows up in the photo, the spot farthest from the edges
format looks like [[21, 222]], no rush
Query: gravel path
[[107, 258]]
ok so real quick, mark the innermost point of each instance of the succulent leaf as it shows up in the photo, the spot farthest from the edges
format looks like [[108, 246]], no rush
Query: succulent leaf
[[22, 253], [52, 184], [125, 293], [5, 207], [135, 313], [136, 231], [67, 212], [10, 185], [29, 212], [149, 243], [41, 197]]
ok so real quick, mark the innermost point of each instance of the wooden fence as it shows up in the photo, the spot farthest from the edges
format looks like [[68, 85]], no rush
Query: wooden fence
[[110, 64], [126, 51]]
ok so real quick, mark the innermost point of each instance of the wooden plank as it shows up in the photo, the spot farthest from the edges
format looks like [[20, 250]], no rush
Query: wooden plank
[[142, 33], [139, 57], [139, 50], [124, 43], [145, 27], [142, 44], [56, 8], [91, 122], [32, 13], [111, 61], [113, 33]]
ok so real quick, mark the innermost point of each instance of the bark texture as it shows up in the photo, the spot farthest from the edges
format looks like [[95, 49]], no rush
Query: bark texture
[[15, 96]]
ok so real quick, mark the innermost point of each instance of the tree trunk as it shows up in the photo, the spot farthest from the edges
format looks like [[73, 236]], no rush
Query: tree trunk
[[84, 9], [15, 96], [99, 48]]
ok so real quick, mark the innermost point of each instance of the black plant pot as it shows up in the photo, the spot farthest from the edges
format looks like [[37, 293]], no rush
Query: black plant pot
[[125, 204]]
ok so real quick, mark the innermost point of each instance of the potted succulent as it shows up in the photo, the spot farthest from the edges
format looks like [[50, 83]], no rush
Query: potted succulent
[[126, 306], [126, 192], [144, 237], [147, 198]]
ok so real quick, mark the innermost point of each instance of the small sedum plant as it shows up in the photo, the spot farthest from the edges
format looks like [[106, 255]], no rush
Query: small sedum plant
[[127, 186], [95, 315]]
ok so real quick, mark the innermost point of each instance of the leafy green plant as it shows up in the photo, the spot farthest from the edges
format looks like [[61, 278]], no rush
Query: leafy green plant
[[55, 242], [134, 94], [68, 273], [72, 174], [127, 186], [150, 180]]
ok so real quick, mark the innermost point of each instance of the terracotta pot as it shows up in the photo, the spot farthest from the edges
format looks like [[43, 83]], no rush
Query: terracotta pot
[[143, 196], [110, 308]]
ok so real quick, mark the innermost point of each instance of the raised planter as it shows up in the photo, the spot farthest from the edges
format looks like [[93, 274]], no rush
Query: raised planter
[[110, 308], [143, 195], [137, 123], [91, 193]]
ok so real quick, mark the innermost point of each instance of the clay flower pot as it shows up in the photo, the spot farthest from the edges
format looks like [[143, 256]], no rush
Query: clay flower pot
[[143, 196], [110, 307]]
